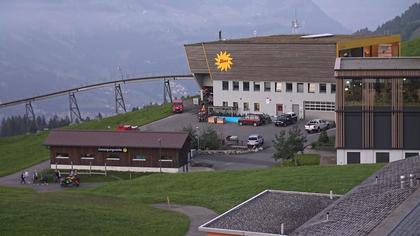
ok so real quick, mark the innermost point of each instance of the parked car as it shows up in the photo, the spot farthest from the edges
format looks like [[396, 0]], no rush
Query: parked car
[[251, 119], [316, 125], [255, 140], [293, 115], [284, 120]]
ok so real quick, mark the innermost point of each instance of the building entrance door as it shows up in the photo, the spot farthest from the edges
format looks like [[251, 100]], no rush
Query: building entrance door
[[279, 109], [295, 109]]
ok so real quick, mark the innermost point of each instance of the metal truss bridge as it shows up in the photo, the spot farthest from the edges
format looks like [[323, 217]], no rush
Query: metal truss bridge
[[118, 94]]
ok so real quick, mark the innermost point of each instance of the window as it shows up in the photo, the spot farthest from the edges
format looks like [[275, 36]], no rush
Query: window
[[411, 154], [319, 106], [353, 158], [382, 157], [256, 106], [278, 87], [332, 88], [139, 157], [311, 87], [289, 87], [113, 157], [245, 86], [235, 85], [256, 86], [225, 85], [322, 88], [235, 104], [352, 92], [225, 104], [300, 87], [382, 92], [411, 92], [62, 156], [246, 106], [267, 86], [87, 156]]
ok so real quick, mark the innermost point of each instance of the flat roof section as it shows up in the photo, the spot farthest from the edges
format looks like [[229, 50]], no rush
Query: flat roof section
[[267, 211], [298, 38], [136, 139], [377, 63]]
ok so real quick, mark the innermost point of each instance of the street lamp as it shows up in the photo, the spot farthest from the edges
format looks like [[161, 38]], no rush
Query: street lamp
[[160, 155], [198, 138]]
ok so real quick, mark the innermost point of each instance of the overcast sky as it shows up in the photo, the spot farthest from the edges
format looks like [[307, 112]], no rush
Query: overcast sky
[[357, 14]]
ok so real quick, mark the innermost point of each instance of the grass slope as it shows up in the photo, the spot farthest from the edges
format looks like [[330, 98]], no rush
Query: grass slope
[[24, 212], [222, 190], [19, 152], [411, 48]]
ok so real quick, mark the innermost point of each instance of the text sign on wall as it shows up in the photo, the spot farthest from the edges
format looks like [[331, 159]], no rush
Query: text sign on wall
[[102, 149]]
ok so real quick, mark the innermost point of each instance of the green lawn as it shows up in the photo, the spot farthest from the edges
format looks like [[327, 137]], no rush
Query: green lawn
[[222, 190], [303, 160], [139, 118], [411, 48], [24, 212], [19, 152], [123, 207]]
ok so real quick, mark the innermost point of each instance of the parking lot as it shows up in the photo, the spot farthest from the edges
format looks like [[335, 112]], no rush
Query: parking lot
[[219, 161]]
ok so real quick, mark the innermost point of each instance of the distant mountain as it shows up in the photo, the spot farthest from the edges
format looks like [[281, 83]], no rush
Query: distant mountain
[[407, 25], [51, 45]]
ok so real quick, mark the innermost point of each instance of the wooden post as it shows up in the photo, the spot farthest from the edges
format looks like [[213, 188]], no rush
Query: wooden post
[[71, 165], [105, 169], [90, 168], [169, 202]]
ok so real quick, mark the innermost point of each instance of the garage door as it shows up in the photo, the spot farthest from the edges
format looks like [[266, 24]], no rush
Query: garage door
[[319, 110]]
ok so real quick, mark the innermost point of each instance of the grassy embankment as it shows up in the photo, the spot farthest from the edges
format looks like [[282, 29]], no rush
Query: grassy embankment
[[122, 207], [411, 48], [19, 152]]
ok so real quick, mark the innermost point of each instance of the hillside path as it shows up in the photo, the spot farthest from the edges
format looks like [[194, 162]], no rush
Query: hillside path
[[197, 215], [13, 180]]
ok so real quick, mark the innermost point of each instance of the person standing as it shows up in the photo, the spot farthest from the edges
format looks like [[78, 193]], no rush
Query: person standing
[[22, 178], [35, 177], [45, 178], [26, 176]]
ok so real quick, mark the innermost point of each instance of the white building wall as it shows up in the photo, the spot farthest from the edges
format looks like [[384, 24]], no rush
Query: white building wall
[[269, 100], [369, 156]]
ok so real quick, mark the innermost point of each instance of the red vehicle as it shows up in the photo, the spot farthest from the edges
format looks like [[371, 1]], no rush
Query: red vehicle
[[251, 119], [126, 127], [177, 106]]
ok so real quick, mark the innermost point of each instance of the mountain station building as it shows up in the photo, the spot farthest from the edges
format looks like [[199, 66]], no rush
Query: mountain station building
[[378, 109], [279, 73], [134, 151]]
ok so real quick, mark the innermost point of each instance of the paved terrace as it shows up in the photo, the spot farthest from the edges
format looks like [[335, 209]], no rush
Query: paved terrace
[[362, 209], [265, 213]]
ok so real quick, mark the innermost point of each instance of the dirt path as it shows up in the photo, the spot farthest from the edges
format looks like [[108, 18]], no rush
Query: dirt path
[[13, 180], [197, 215]]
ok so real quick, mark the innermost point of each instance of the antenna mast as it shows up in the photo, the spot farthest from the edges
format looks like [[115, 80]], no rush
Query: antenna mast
[[295, 24]]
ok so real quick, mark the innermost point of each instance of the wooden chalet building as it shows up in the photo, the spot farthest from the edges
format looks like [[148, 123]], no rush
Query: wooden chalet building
[[136, 151]]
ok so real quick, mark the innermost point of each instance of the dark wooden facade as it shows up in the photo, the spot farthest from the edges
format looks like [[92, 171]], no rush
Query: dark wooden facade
[[366, 126]]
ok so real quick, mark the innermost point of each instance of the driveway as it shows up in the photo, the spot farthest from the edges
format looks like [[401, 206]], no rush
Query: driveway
[[229, 162]]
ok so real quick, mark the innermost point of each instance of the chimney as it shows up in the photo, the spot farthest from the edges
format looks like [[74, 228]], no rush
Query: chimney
[[220, 35]]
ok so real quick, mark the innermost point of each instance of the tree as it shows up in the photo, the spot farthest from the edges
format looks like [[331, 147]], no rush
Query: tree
[[323, 137], [280, 145], [209, 139], [193, 136], [287, 148]]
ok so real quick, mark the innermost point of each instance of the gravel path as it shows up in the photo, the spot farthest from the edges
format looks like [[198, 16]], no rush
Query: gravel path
[[13, 180], [197, 216]]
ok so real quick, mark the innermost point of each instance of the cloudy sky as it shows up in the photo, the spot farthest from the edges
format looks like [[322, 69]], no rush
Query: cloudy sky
[[357, 14]]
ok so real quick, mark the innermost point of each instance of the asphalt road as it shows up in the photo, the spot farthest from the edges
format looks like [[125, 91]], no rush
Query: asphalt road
[[229, 162]]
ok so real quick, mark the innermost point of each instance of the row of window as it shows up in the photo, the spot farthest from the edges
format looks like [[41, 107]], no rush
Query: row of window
[[110, 157], [311, 87], [381, 157], [245, 105], [319, 106]]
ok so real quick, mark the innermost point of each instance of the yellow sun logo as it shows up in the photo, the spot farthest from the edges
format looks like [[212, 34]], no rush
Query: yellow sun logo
[[223, 61]]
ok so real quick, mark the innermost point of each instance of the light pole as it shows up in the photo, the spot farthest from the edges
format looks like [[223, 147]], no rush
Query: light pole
[[160, 155], [198, 138]]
